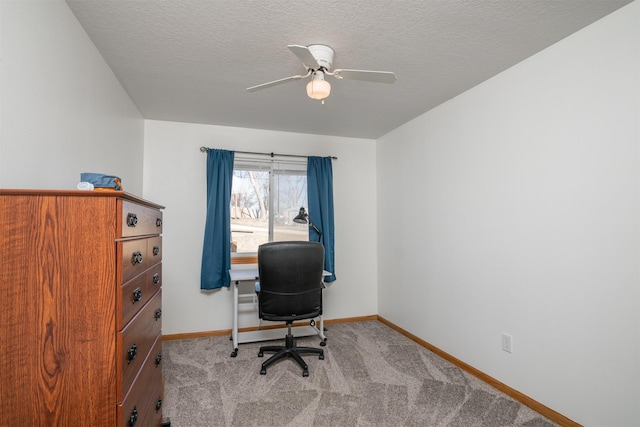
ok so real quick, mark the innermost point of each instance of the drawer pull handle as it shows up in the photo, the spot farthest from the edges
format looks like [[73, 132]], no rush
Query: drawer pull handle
[[132, 353], [136, 258], [158, 222], [156, 250], [137, 295], [156, 279], [158, 313], [132, 220], [158, 404], [158, 358], [133, 418]]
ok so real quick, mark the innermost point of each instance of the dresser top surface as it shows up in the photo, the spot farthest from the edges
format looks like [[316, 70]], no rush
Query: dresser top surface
[[78, 193]]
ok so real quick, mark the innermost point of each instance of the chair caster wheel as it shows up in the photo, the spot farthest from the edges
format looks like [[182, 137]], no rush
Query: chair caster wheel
[[305, 373], [263, 371], [260, 354], [323, 343], [321, 357]]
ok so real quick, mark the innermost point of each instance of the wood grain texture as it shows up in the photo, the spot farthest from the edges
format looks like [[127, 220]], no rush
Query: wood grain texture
[[56, 322], [146, 220], [130, 252], [146, 392], [141, 332], [59, 282]]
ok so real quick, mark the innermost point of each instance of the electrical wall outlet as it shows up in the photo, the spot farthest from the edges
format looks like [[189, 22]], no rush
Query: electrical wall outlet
[[507, 343]]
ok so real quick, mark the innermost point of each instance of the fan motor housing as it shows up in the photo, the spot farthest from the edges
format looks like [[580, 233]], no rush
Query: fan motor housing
[[323, 55]]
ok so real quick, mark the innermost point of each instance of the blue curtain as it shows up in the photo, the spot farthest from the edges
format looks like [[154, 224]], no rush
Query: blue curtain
[[216, 253], [320, 197]]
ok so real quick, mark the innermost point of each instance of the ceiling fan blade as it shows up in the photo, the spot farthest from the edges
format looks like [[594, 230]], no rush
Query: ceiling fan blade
[[274, 83], [366, 75], [304, 54]]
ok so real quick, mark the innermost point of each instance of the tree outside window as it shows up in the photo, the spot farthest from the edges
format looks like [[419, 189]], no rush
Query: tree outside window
[[265, 197]]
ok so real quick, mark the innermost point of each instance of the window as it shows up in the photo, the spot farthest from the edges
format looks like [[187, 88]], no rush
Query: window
[[265, 197]]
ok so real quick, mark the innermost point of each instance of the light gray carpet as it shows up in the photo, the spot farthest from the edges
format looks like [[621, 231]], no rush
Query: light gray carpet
[[371, 376]]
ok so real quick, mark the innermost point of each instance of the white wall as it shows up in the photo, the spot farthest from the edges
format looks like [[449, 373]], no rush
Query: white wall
[[175, 171], [521, 195], [62, 111], [524, 199]]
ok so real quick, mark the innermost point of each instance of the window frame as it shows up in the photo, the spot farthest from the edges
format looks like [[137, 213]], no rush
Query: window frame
[[272, 165]]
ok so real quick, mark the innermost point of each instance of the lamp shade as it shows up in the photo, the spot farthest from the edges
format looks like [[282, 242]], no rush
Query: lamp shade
[[318, 87], [302, 217]]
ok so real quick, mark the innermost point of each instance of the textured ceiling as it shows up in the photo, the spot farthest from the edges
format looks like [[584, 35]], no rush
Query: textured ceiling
[[191, 60]]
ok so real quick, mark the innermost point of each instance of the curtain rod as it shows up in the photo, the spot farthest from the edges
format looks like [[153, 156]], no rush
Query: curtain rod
[[205, 149]]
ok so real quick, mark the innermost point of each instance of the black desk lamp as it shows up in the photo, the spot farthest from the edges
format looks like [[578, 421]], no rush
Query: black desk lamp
[[303, 218]]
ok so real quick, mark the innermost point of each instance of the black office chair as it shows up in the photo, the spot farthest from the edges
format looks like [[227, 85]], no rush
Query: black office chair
[[290, 289]]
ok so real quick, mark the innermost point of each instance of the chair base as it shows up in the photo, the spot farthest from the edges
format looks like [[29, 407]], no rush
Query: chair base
[[289, 350]]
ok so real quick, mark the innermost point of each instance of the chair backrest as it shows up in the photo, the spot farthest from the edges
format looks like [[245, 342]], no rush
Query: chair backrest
[[290, 280]]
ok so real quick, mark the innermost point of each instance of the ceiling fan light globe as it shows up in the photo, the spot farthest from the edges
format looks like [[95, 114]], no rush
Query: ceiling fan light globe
[[318, 89]]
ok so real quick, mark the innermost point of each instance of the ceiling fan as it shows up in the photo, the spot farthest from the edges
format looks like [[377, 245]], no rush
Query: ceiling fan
[[318, 59]]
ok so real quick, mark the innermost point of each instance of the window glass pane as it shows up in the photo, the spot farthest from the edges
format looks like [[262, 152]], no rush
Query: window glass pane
[[290, 193], [265, 197], [249, 215]]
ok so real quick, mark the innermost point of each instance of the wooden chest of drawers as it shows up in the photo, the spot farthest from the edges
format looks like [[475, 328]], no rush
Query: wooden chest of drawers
[[81, 309]]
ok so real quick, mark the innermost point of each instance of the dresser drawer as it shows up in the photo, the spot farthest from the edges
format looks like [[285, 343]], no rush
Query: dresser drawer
[[135, 342], [154, 250], [139, 220], [134, 257], [133, 296], [143, 403], [136, 293]]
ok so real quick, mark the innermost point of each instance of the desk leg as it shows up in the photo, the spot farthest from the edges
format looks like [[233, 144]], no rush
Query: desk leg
[[321, 332], [321, 329], [234, 329]]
